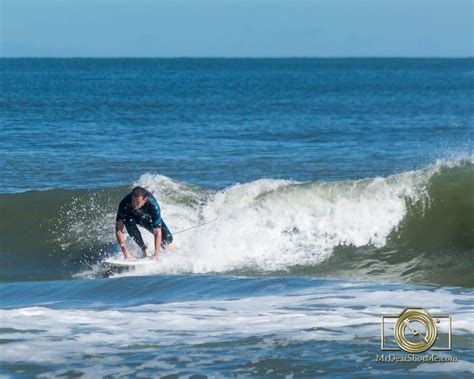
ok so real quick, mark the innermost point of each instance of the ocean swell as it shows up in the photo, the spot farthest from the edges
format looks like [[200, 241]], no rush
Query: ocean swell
[[415, 226]]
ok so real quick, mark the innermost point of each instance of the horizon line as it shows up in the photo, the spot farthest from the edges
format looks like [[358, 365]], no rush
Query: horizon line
[[240, 57]]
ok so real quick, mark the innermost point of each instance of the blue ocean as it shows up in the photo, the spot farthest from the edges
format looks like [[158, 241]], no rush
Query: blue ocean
[[307, 198]]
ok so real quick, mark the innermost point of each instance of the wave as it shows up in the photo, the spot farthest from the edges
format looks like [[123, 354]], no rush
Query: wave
[[414, 226]]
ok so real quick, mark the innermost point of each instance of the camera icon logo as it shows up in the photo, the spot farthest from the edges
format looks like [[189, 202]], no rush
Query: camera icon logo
[[415, 330]]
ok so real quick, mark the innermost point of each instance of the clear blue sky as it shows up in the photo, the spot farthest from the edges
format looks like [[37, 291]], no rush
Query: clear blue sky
[[225, 28]]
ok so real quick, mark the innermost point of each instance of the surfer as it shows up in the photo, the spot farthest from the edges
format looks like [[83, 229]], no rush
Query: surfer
[[141, 208]]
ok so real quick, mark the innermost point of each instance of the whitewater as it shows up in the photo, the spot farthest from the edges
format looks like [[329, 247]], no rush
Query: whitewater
[[286, 227]]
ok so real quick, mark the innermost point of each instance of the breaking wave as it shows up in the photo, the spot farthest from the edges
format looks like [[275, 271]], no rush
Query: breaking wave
[[415, 226]]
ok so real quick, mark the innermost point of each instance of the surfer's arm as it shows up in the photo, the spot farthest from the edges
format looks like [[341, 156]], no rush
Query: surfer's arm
[[157, 233], [121, 239]]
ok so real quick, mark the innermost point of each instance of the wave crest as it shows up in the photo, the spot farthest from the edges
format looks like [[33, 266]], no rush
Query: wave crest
[[412, 226]]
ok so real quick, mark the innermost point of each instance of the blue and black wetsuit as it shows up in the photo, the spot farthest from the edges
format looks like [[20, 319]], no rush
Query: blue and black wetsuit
[[148, 216]]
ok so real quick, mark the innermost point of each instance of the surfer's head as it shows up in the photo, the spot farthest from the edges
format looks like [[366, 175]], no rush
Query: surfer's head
[[139, 197]]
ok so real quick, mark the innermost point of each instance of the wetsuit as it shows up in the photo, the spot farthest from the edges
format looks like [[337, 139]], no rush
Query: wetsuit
[[148, 216]]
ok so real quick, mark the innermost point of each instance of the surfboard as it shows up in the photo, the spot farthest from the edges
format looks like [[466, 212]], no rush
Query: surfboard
[[120, 262]]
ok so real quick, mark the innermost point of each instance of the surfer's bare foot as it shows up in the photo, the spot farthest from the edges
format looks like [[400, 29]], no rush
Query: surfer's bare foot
[[129, 258], [171, 248], [156, 257], [145, 253]]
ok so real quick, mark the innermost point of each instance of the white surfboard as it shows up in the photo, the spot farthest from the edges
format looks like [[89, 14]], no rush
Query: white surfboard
[[120, 262]]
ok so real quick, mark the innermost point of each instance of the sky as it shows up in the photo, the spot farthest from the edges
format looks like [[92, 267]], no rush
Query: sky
[[238, 28]]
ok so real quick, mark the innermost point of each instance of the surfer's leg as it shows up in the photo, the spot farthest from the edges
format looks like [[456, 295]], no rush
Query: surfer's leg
[[134, 232], [166, 237]]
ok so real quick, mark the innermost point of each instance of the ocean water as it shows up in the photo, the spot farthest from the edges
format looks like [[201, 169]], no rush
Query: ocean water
[[334, 191]]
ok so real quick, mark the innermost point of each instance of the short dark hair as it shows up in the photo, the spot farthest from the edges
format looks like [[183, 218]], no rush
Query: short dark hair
[[139, 192]]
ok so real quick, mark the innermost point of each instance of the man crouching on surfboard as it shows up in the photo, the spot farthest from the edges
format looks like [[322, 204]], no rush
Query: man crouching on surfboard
[[140, 208]]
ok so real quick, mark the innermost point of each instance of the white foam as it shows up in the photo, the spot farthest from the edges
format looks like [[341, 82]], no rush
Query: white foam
[[321, 313], [445, 367], [272, 225]]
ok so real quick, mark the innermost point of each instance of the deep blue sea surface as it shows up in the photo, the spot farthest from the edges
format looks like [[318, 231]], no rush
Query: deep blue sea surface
[[336, 190], [86, 123]]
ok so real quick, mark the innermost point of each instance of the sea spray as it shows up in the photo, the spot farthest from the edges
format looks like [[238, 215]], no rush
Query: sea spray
[[412, 226]]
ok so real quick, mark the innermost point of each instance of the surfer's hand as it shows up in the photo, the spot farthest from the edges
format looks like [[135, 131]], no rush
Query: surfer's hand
[[129, 257]]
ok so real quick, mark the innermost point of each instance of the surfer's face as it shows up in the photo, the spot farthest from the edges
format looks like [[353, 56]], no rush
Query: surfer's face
[[138, 202]]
